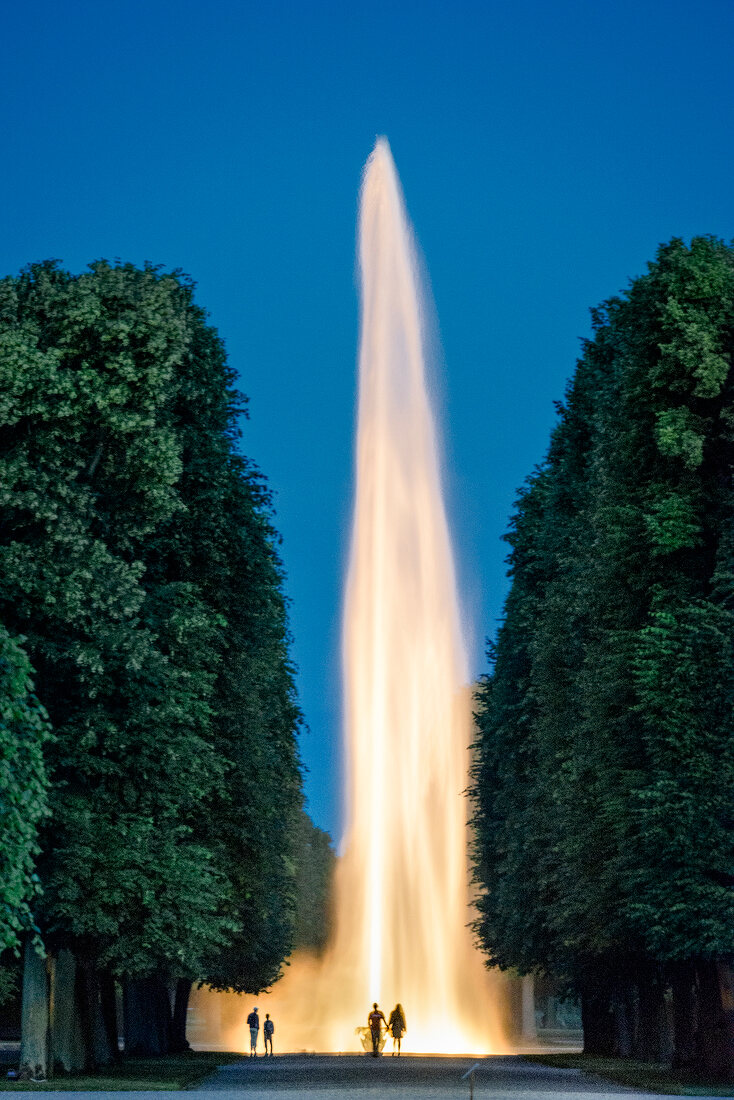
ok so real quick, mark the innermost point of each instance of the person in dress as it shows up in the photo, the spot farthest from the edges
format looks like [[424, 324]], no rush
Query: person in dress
[[397, 1027]]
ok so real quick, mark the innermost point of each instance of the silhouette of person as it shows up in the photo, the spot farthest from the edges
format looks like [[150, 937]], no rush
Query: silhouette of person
[[375, 1020], [268, 1029], [397, 1026], [253, 1022]]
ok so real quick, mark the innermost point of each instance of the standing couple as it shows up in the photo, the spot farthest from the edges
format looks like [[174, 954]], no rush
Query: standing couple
[[253, 1022], [395, 1025]]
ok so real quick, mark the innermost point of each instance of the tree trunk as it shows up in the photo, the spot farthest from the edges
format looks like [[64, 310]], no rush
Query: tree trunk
[[714, 1041], [529, 1030], [108, 1008], [596, 1020], [85, 997], [510, 1009], [622, 1016], [34, 1041], [683, 982], [652, 1042], [147, 1012], [725, 975], [99, 1048], [67, 1042], [179, 1041]]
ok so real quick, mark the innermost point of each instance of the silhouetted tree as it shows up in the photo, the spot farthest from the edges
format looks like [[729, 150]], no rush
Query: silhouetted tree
[[604, 759], [138, 558]]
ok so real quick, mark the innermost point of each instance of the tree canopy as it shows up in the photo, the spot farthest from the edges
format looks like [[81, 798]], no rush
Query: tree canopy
[[604, 834], [139, 561]]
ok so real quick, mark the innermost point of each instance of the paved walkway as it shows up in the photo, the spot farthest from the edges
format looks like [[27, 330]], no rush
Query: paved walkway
[[328, 1077], [324, 1077]]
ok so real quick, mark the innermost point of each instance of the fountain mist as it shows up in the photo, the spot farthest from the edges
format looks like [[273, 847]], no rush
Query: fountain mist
[[402, 896]]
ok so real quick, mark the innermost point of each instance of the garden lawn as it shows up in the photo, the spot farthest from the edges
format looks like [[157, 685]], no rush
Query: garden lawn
[[171, 1073], [638, 1075]]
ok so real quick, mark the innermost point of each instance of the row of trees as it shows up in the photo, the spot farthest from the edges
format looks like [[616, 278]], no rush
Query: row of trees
[[150, 784], [604, 764]]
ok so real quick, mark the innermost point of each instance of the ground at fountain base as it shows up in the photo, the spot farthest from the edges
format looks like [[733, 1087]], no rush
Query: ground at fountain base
[[410, 1077]]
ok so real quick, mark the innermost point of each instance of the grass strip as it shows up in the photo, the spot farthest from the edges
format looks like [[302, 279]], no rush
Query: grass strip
[[169, 1073], [648, 1076]]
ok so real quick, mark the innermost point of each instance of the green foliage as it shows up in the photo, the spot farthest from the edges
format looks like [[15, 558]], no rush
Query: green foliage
[[9, 983], [223, 543], [671, 522], [604, 837], [138, 559], [678, 434], [315, 865], [24, 730]]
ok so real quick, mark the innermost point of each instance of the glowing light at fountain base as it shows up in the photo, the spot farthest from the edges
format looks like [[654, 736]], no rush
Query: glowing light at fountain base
[[311, 1016]]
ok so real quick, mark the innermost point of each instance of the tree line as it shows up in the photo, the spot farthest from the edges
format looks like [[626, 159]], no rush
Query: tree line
[[604, 760], [150, 783]]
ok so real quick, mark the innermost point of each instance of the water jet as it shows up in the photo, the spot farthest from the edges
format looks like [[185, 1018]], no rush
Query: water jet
[[402, 888]]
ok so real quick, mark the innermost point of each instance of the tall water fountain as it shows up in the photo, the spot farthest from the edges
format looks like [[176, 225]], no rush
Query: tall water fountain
[[402, 891], [403, 901]]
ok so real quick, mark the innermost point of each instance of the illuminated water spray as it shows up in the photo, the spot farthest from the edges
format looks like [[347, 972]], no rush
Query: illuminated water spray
[[402, 885], [404, 658], [402, 897]]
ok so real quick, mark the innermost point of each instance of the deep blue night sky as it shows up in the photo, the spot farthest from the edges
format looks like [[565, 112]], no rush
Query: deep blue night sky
[[545, 150]]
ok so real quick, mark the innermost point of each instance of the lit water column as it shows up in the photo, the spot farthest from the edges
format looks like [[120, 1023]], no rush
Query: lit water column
[[401, 892], [403, 652]]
